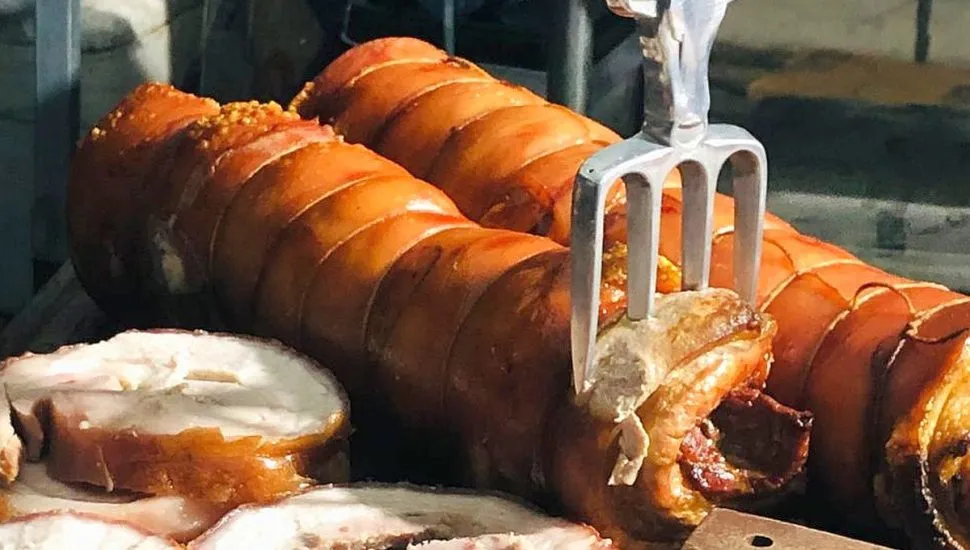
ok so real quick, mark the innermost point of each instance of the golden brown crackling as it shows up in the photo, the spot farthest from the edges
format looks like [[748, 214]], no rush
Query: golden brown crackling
[[264, 208], [921, 420], [311, 101], [334, 323], [846, 363], [475, 159], [310, 238], [456, 267], [199, 220], [373, 98], [414, 135], [204, 144]]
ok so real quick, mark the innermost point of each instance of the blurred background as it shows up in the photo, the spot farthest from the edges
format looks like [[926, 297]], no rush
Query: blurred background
[[862, 104]]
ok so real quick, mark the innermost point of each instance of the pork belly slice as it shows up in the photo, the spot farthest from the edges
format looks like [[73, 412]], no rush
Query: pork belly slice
[[391, 516], [173, 517], [57, 531], [228, 419]]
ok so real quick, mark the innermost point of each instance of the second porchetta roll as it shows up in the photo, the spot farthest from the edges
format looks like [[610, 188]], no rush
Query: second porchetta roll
[[462, 332], [879, 360]]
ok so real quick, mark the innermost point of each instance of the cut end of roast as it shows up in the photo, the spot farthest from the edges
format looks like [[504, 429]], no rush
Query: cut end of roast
[[219, 417], [699, 362], [393, 516], [681, 424], [77, 531]]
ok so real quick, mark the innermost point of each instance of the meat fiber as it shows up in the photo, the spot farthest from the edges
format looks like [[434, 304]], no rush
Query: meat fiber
[[78, 532], [378, 517]]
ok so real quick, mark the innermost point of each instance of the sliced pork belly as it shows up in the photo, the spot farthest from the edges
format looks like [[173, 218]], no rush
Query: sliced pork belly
[[173, 517], [227, 419], [77, 532], [390, 516]]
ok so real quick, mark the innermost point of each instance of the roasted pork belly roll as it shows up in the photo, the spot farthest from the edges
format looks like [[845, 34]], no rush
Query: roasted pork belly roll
[[461, 334], [874, 356], [507, 157], [219, 418], [395, 516]]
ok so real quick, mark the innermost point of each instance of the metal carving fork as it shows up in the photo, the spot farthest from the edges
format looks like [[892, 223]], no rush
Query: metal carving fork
[[676, 37]]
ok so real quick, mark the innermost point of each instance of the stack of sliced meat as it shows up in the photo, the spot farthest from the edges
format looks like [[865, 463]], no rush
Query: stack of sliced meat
[[167, 430], [147, 439]]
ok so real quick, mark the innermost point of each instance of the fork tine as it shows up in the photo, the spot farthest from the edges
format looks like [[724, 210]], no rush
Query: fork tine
[[750, 191], [589, 205], [749, 161], [697, 223], [644, 196], [643, 166]]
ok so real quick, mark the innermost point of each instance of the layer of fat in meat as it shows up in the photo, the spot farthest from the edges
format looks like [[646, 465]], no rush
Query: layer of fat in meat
[[374, 517], [632, 359], [77, 532], [185, 380], [168, 516], [483, 542]]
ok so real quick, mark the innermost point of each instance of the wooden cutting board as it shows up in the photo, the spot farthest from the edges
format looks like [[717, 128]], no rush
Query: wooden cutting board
[[730, 530]]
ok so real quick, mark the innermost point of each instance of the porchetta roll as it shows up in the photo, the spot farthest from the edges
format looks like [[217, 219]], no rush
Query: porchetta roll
[[461, 334], [877, 358]]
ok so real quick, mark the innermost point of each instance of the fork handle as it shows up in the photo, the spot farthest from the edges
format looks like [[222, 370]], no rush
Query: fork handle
[[676, 38]]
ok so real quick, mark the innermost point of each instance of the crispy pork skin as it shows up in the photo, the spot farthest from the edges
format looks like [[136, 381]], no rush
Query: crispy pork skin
[[394, 516], [222, 418], [56, 531]]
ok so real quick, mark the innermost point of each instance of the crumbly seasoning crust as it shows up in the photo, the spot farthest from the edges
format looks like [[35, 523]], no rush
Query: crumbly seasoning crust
[[124, 112], [246, 113]]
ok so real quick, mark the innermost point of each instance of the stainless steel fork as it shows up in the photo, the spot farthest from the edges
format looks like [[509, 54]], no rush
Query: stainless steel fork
[[676, 37]]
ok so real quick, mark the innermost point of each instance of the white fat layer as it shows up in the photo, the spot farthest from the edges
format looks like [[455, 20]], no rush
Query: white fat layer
[[58, 531], [36, 492], [484, 542], [171, 382], [354, 517]]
